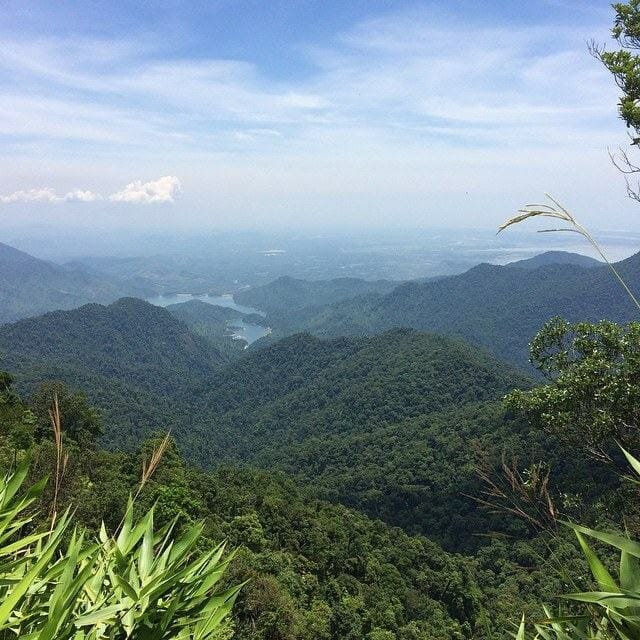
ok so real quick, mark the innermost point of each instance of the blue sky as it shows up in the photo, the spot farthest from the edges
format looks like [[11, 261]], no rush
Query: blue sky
[[302, 113]]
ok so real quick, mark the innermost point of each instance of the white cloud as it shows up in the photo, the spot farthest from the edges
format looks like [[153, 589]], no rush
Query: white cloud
[[156, 191], [78, 195], [161, 190], [31, 195]]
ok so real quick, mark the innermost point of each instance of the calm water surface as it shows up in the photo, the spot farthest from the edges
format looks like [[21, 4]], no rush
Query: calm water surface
[[241, 330]]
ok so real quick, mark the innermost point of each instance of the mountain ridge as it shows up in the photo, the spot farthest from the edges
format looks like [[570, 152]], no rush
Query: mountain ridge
[[499, 308]]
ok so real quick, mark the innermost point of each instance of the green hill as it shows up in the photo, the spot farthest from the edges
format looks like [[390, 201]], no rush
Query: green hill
[[303, 386], [137, 363], [499, 308], [391, 424]]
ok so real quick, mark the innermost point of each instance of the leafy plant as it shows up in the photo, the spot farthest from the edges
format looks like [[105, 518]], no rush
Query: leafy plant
[[141, 584], [593, 394], [613, 610]]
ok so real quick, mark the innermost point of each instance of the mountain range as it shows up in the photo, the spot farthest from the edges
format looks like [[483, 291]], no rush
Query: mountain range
[[390, 424], [344, 467], [499, 308]]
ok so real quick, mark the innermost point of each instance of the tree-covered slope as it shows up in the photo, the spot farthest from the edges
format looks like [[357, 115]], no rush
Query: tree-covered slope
[[392, 424], [304, 386], [29, 286], [138, 364], [495, 307], [286, 293], [275, 407]]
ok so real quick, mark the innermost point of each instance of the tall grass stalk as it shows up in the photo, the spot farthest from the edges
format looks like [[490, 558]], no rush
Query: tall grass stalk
[[62, 458], [557, 211]]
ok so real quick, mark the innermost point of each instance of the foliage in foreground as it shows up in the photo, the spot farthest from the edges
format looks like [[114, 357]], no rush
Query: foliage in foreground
[[594, 392], [141, 584], [613, 610]]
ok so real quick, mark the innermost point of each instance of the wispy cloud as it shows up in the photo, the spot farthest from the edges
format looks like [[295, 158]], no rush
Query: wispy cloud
[[161, 190], [410, 67]]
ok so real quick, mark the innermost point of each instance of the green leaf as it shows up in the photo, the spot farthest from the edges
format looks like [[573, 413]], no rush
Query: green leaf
[[599, 571], [620, 542], [101, 616], [635, 464]]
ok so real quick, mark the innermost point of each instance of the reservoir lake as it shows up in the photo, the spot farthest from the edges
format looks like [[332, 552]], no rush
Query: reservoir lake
[[241, 330]]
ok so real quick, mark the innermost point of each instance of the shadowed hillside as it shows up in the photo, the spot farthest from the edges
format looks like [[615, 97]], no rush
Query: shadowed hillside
[[499, 308], [136, 362]]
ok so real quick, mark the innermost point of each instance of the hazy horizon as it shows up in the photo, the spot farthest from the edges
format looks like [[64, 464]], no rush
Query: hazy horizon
[[244, 256]]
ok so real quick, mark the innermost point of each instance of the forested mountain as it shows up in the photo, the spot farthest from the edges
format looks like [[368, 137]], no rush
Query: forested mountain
[[499, 308], [304, 386], [394, 425], [29, 286], [556, 257], [139, 365], [286, 293], [374, 399]]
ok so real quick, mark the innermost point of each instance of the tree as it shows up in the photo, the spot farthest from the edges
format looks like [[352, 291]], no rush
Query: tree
[[593, 395], [624, 64]]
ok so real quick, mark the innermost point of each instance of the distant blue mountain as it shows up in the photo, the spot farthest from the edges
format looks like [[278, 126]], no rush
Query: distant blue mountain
[[556, 257], [30, 286], [499, 308]]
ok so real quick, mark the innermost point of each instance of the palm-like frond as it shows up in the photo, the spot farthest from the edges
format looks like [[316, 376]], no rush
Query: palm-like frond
[[143, 584]]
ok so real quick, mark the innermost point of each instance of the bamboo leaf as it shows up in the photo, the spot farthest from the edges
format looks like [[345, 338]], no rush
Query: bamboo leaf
[[599, 571]]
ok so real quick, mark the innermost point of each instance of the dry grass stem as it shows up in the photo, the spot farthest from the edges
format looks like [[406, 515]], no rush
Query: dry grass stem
[[526, 496], [62, 458], [558, 212], [148, 469]]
